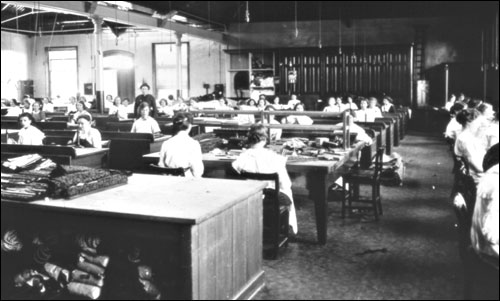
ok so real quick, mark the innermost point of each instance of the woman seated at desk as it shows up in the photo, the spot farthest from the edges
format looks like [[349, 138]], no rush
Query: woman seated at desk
[[275, 133], [28, 135], [261, 160], [124, 110], [38, 113], [299, 119], [387, 106], [145, 123], [80, 111], [364, 114], [165, 109], [335, 105], [182, 150], [113, 109], [86, 136]]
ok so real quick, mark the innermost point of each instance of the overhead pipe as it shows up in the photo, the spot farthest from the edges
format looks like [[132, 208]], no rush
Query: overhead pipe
[[24, 15]]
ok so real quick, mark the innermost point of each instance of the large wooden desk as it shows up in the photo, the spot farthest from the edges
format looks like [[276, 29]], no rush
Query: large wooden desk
[[205, 234], [319, 176], [90, 157]]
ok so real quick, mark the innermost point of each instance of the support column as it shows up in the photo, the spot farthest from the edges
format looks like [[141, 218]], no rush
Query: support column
[[179, 63], [98, 64]]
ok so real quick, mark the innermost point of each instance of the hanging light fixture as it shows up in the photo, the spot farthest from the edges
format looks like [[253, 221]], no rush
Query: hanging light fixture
[[296, 23], [320, 44], [353, 39], [340, 33], [247, 14]]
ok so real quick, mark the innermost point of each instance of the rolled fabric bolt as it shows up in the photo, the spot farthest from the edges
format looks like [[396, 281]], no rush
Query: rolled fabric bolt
[[90, 268], [135, 255], [21, 278], [145, 272], [42, 254], [101, 260], [11, 242], [150, 289], [86, 290], [56, 272], [83, 277]]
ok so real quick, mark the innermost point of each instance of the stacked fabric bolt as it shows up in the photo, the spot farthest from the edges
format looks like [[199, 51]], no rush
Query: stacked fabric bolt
[[145, 275], [87, 279]]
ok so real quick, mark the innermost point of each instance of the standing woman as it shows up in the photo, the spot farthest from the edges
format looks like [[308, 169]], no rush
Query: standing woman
[[181, 150], [38, 113], [28, 135], [86, 136], [145, 123], [258, 159], [145, 97]]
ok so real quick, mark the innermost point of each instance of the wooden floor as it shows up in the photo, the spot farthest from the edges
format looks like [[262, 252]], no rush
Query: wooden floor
[[411, 253]]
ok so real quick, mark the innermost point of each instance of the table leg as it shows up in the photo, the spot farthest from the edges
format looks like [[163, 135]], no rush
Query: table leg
[[318, 191]]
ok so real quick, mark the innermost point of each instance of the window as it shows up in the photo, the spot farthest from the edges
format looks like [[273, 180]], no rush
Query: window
[[165, 66], [63, 71]]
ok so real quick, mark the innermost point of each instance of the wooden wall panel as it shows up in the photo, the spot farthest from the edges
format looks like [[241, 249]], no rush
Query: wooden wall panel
[[372, 70]]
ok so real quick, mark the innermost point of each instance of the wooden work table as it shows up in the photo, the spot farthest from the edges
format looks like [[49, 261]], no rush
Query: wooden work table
[[319, 175], [205, 234]]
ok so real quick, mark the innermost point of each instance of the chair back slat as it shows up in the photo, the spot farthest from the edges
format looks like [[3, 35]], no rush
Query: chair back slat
[[178, 172]]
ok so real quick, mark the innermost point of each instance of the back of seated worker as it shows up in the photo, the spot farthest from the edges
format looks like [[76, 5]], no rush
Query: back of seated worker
[[29, 134], [258, 159], [361, 133], [182, 151], [299, 119], [453, 129], [145, 123], [485, 218], [86, 136]]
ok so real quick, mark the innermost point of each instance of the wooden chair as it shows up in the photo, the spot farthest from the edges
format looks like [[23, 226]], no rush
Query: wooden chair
[[356, 177], [177, 172], [276, 216]]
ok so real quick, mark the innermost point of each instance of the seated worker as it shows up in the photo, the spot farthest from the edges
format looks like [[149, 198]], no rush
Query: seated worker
[[387, 106], [261, 103], [37, 113], [299, 119], [165, 109], [145, 123], [275, 133], [364, 114], [293, 101], [124, 109], [47, 105], [373, 105], [350, 104], [258, 159], [14, 109], [28, 135], [276, 104], [334, 105], [80, 111], [71, 106], [113, 108], [453, 129], [86, 136], [181, 150], [485, 219]]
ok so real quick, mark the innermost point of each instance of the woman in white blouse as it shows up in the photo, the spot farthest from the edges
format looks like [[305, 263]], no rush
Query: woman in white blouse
[[28, 135], [182, 151], [258, 159], [145, 123]]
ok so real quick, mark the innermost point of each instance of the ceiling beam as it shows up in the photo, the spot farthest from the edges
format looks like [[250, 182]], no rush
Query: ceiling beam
[[120, 16]]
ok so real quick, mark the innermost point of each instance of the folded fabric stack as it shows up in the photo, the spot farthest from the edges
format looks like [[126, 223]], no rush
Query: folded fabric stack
[[22, 187], [78, 180], [87, 279]]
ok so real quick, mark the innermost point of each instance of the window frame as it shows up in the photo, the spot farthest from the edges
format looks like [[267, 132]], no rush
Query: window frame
[[154, 85], [61, 48]]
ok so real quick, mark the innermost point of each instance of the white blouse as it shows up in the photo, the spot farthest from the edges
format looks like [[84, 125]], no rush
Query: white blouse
[[261, 160], [31, 136], [182, 151], [148, 125], [93, 136]]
